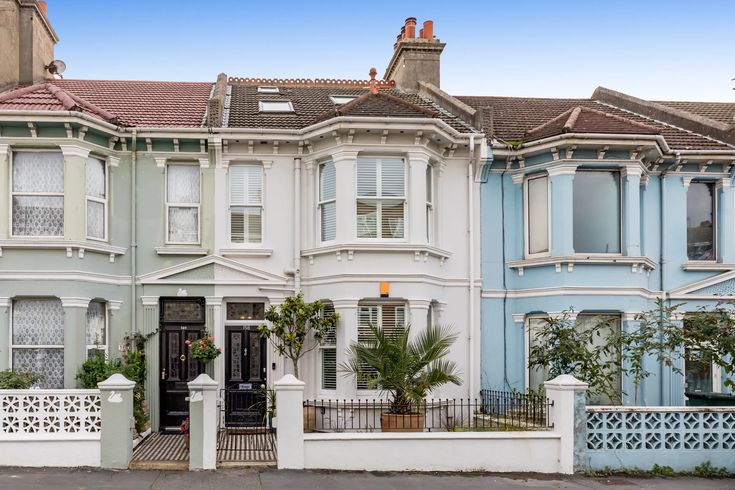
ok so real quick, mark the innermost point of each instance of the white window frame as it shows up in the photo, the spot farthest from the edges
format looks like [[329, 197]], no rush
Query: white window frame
[[621, 197], [379, 305], [345, 99], [527, 219], [378, 198], [262, 106], [12, 346], [196, 206], [430, 198], [268, 89], [320, 361], [230, 205], [99, 201], [715, 220], [321, 203], [102, 346], [12, 194]]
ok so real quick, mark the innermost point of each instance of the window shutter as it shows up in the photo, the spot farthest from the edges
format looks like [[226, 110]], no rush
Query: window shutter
[[367, 316], [246, 185], [327, 196], [367, 178], [329, 369], [392, 177], [331, 337]]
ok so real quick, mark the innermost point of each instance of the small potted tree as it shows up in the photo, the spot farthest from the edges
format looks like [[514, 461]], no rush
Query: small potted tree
[[405, 370], [296, 328]]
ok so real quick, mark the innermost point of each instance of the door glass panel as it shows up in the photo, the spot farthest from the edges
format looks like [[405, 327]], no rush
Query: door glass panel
[[174, 340], [236, 356], [183, 311], [192, 364], [254, 353], [245, 311]]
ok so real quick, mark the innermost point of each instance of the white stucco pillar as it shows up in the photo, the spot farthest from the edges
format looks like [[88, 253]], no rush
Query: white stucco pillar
[[290, 412], [310, 185], [75, 206], [344, 165], [5, 333], [562, 210], [216, 328], [346, 335], [202, 423], [416, 197], [221, 216], [5, 171], [419, 309], [631, 175], [726, 225], [568, 416], [149, 325]]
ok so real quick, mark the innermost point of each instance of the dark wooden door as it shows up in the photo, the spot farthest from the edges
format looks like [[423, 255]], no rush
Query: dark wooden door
[[177, 369], [245, 378]]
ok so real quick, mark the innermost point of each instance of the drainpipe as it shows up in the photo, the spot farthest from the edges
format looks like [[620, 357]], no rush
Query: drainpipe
[[663, 260], [297, 225], [471, 255], [133, 235]]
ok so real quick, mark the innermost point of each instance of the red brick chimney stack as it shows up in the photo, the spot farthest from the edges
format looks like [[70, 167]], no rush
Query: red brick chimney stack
[[410, 26]]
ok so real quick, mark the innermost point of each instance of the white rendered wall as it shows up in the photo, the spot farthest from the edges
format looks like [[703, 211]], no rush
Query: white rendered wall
[[51, 453], [473, 451]]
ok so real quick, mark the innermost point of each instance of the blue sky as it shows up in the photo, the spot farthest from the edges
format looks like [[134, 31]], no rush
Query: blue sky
[[654, 49]]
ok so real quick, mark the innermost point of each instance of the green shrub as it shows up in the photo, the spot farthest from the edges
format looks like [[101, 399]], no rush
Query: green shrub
[[706, 470], [132, 366], [662, 470], [18, 380]]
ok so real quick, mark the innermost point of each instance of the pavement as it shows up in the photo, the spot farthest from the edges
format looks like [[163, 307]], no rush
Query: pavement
[[270, 479]]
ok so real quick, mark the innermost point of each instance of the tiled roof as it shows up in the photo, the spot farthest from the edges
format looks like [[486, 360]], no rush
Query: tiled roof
[[723, 112], [585, 120], [127, 102], [510, 118], [312, 104]]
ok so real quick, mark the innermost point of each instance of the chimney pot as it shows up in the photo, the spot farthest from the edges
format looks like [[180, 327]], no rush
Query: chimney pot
[[403, 32], [428, 29], [410, 26], [42, 5], [421, 33]]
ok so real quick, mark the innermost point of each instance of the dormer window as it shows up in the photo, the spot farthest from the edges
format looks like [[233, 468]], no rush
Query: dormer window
[[282, 106], [268, 90], [341, 99]]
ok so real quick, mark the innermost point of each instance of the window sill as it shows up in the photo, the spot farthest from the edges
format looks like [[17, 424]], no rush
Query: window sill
[[246, 252], [706, 265], [69, 246], [637, 264], [181, 250], [420, 252]]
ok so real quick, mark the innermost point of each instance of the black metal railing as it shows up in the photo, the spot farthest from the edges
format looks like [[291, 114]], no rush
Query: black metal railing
[[494, 411]]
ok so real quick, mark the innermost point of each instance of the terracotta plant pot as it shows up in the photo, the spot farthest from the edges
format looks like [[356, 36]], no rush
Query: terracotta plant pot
[[309, 418], [410, 422]]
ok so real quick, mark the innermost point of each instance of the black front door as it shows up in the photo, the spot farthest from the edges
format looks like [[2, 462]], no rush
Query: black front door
[[245, 377], [181, 321]]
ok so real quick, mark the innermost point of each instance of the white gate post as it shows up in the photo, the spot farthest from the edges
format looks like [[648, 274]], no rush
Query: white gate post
[[569, 417], [116, 438], [202, 423], [290, 431]]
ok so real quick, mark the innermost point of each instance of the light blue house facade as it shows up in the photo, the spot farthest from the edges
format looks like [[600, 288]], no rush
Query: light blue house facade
[[593, 208]]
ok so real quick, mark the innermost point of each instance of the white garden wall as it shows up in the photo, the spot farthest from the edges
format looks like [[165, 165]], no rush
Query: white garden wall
[[434, 451], [50, 452]]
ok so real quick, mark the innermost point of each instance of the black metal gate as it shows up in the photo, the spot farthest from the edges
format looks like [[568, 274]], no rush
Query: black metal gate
[[245, 407]]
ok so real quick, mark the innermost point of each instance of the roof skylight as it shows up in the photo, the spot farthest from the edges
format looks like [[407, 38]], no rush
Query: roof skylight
[[342, 99], [275, 106], [268, 89]]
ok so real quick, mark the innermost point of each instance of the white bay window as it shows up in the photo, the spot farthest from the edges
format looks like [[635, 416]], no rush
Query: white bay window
[[37, 194], [328, 201], [246, 204], [96, 198], [537, 215], [381, 197], [182, 203], [37, 339]]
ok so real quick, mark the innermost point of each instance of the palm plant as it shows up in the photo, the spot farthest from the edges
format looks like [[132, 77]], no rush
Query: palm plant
[[404, 369]]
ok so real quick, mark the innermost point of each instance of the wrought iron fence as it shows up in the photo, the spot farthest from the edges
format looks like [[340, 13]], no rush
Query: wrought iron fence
[[494, 411]]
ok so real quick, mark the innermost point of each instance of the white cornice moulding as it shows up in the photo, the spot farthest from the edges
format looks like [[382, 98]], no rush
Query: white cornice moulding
[[149, 300], [113, 161], [114, 305], [160, 161], [5, 150], [631, 170], [175, 250], [204, 162], [519, 317], [246, 252], [4, 302], [213, 300], [345, 304], [419, 304], [565, 169], [630, 316], [68, 302], [74, 151], [518, 178]]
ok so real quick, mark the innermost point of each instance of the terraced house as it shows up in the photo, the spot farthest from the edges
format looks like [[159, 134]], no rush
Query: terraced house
[[600, 206], [171, 209], [174, 208]]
